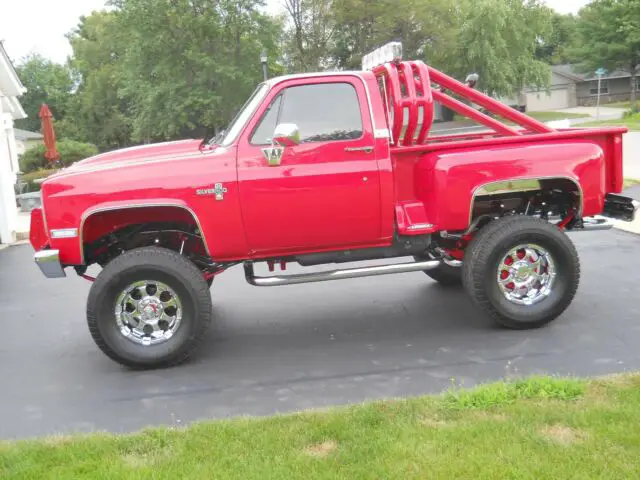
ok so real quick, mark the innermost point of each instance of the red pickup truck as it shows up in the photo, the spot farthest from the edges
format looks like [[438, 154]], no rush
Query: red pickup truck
[[330, 168]]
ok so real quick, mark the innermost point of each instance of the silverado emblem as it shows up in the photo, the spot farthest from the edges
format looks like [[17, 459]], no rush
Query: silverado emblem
[[218, 190]]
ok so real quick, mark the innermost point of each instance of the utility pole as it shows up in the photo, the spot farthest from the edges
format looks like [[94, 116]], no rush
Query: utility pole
[[600, 72]]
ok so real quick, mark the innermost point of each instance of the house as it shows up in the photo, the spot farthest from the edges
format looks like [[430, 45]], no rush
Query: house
[[26, 139], [571, 88], [10, 109]]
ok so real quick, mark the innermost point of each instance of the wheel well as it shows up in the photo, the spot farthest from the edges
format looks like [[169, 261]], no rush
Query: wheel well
[[555, 197], [108, 233]]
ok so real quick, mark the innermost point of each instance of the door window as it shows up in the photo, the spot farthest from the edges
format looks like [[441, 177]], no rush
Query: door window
[[323, 112], [264, 131]]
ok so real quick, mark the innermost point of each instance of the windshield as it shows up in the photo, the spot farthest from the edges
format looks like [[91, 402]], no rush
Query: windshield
[[227, 136]]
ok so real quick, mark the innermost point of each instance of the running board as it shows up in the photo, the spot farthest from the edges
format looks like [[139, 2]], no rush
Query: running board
[[277, 280], [593, 224]]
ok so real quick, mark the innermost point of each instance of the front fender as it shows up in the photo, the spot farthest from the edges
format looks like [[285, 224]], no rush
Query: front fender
[[448, 181]]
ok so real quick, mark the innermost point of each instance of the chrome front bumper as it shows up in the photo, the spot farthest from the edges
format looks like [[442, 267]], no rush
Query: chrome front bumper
[[49, 263]]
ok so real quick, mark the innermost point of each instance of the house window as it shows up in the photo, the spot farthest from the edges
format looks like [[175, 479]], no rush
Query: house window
[[604, 87]]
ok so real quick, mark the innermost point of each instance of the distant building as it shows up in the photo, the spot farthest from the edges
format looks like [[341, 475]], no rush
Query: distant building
[[570, 88], [26, 139]]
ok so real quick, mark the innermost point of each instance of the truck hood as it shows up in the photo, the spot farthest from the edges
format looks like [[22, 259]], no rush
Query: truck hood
[[136, 155]]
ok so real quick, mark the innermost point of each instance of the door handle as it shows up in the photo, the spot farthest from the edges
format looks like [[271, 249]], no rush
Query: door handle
[[359, 149]]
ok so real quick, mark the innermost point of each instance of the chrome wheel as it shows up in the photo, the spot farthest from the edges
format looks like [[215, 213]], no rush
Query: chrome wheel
[[526, 274], [148, 312]]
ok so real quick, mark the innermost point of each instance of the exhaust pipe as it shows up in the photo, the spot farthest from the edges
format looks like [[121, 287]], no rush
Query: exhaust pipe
[[277, 280]]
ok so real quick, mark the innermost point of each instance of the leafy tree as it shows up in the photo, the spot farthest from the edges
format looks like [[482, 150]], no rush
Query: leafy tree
[[563, 37], [497, 39], [70, 152], [423, 26], [309, 38], [46, 82], [610, 38], [189, 65], [98, 111]]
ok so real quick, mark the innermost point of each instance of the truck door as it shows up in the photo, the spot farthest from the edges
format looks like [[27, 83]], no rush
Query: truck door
[[323, 192]]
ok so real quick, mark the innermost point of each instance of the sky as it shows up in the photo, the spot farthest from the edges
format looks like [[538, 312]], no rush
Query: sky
[[39, 26]]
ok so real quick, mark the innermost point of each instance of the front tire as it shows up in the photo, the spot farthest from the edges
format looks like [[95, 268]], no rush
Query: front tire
[[522, 271], [148, 308]]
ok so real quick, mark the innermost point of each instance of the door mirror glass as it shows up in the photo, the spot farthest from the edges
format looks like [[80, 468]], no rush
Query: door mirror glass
[[286, 134]]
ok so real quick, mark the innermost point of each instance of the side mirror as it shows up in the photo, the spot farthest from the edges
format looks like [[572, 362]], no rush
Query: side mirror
[[286, 135]]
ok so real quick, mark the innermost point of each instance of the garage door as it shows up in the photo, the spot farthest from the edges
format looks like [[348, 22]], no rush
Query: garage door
[[553, 100]]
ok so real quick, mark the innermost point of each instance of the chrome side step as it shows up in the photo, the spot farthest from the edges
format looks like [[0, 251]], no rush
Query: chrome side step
[[593, 224], [277, 280]]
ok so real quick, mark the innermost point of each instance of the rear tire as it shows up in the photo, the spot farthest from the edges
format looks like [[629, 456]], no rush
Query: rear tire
[[493, 280], [444, 274], [148, 308]]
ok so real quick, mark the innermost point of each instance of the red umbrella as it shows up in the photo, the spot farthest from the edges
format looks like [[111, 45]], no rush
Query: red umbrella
[[46, 119]]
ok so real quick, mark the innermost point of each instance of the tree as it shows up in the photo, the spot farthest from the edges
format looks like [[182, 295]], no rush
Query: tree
[[555, 48], [189, 65], [610, 38], [309, 38], [423, 27], [70, 152], [46, 82], [98, 111], [497, 39]]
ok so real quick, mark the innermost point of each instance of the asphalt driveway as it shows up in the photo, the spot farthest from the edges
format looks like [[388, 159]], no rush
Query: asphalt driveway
[[297, 347]]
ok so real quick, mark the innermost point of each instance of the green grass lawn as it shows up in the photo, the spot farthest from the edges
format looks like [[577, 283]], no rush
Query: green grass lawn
[[631, 122], [549, 116], [626, 104], [630, 182], [538, 428], [541, 116]]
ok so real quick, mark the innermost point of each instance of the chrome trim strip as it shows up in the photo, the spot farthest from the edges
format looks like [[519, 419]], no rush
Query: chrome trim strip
[[524, 188], [49, 263], [277, 280], [594, 224], [88, 213]]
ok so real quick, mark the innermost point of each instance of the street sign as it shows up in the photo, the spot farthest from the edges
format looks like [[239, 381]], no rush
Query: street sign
[[600, 73]]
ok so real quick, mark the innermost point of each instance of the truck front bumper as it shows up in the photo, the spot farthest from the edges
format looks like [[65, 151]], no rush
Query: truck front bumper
[[49, 263]]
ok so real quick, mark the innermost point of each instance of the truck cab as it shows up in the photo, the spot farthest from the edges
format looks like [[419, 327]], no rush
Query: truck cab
[[331, 168]]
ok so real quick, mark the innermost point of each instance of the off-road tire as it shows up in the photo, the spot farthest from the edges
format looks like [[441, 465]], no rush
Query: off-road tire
[[481, 261], [444, 274], [149, 263]]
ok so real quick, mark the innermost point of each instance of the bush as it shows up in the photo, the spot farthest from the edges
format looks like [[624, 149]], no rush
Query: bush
[[30, 179], [70, 152]]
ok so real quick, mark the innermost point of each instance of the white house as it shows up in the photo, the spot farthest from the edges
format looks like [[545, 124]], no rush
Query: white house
[[10, 109]]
